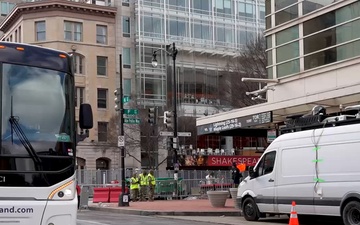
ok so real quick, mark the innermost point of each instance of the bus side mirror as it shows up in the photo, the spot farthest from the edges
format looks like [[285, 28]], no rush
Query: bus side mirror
[[85, 116]]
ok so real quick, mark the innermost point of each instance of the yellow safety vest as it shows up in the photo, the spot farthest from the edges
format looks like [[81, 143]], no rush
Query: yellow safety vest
[[151, 179], [134, 183], [143, 180]]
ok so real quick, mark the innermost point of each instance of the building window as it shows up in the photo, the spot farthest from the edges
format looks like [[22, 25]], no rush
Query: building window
[[201, 6], [102, 131], [126, 3], [287, 35], [72, 31], [79, 64], [20, 35], [79, 96], [40, 30], [126, 26], [126, 58], [127, 87], [16, 36], [287, 15], [280, 4], [101, 34], [288, 68], [6, 7], [101, 65], [102, 98]]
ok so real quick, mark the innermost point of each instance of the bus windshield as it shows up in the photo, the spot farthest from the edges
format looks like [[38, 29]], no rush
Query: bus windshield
[[37, 130]]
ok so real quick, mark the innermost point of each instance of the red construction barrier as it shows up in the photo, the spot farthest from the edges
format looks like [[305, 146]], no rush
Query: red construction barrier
[[115, 192], [101, 195]]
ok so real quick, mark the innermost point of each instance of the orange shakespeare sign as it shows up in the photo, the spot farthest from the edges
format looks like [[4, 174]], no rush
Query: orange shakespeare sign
[[229, 160]]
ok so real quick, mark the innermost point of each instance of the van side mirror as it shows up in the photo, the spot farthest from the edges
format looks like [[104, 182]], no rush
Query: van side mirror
[[85, 116], [252, 173]]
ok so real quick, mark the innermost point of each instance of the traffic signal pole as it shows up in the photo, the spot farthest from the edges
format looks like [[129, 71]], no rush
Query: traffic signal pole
[[124, 196]]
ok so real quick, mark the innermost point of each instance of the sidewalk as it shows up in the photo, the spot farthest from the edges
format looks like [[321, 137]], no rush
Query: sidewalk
[[196, 207]]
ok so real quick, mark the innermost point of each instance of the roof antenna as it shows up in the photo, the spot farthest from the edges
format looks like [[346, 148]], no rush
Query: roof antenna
[[341, 108]]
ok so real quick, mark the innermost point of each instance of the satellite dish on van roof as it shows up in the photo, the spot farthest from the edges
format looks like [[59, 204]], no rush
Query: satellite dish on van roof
[[318, 110]]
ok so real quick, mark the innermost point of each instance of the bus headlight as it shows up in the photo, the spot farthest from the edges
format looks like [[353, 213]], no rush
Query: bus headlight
[[64, 192]]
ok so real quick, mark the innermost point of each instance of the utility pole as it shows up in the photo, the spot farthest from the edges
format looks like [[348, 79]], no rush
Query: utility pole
[[124, 196]]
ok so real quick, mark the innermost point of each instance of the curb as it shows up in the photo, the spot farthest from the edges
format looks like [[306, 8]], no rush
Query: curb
[[194, 220], [162, 213]]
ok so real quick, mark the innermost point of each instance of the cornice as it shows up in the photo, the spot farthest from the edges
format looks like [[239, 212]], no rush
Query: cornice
[[56, 5]]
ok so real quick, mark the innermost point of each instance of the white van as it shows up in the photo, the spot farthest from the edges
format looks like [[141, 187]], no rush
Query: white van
[[318, 169]]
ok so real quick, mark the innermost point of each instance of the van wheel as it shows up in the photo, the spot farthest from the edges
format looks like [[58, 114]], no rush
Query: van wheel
[[250, 210], [351, 213]]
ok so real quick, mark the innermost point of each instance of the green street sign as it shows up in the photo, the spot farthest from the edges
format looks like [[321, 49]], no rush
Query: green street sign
[[126, 99], [131, 121], [131, 111]]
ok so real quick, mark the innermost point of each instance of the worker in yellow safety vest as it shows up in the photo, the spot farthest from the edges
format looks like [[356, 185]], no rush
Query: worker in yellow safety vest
[[152, 184], [144, 183], [134, 187]]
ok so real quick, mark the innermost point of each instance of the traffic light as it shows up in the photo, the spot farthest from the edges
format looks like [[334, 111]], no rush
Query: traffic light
[[117, 99], [152, 116], [174, 143], [168, 119], [171, 143]]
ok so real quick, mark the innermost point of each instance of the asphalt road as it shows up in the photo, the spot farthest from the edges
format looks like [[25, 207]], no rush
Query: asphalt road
[[104, 218]]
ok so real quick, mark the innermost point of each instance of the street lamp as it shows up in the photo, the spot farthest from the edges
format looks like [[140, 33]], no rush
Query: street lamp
[[154, 63]]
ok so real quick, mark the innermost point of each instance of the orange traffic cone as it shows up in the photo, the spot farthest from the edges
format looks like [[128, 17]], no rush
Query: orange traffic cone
[[293, 215]]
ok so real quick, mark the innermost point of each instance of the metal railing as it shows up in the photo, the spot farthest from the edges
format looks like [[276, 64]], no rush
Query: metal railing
[[190, 182]]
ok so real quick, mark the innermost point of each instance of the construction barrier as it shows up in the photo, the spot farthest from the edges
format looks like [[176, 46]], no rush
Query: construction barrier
[[115, 192], [101, 194]]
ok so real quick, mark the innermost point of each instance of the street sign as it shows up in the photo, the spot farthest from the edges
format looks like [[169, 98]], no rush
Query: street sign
[[166, 133], [184, 134], [126, 99], [131, 121], [121, 141], [170, 134], [131, 111]]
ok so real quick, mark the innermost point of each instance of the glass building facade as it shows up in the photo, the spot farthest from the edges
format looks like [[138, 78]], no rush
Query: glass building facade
[[206, 33], [328, 33]]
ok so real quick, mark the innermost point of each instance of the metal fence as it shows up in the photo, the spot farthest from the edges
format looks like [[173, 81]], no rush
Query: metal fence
[[190, 182]]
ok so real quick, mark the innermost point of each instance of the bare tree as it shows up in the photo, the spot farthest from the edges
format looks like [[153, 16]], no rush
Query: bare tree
[[251, 62], [144, 137]]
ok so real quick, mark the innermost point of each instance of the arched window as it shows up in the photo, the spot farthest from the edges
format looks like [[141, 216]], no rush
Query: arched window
[[81, 163], [103, 163]]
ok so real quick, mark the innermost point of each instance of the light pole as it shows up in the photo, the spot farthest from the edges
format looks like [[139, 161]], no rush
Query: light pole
[[173, 54]]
